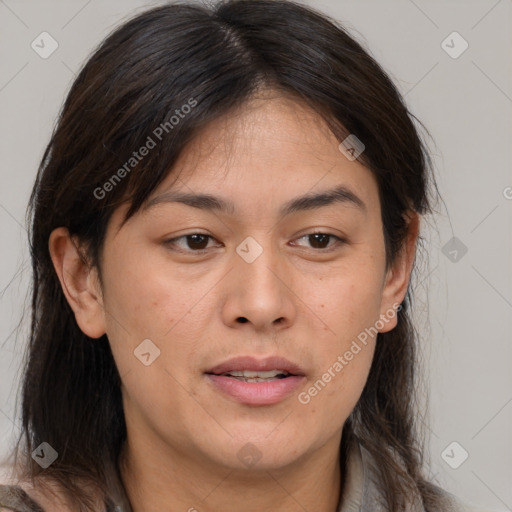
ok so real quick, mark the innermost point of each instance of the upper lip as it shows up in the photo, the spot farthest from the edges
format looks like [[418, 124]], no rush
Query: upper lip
[[252, 363]]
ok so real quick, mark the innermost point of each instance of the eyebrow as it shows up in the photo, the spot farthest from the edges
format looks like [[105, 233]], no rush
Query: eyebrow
[[338, 195]]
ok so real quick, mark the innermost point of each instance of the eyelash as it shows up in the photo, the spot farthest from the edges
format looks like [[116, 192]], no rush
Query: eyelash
[[171, 242]]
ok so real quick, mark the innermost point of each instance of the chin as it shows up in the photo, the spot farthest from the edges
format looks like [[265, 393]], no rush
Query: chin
[[248, 453]]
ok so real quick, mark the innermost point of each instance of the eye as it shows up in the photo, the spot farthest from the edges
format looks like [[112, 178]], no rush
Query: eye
[[193, 242], [320, 241], [198, 242]]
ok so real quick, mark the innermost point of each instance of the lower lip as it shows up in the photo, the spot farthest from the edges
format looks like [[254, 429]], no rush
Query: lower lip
[[257, 393]]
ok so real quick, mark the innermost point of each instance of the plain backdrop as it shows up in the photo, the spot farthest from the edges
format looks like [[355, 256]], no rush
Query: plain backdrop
[[464, 304]]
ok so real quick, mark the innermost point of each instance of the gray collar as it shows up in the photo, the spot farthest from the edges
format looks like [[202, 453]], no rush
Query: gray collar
[[361, 489]]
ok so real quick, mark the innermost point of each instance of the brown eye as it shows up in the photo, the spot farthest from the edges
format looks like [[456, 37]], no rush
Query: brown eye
[[320, 241], [194, 242], [197, 241]]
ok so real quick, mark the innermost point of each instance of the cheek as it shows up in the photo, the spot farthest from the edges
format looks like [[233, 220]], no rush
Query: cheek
[[144, 300], [347, 306], [352, 379], [143, 296], [334, 391], [346, 303]]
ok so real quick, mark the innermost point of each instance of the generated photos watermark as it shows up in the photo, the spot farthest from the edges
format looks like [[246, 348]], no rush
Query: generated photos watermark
[[343, 360], [151, 142]]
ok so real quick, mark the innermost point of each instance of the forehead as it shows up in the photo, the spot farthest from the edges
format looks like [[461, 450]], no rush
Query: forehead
[[271, 145], [267, 130], [274, 155]]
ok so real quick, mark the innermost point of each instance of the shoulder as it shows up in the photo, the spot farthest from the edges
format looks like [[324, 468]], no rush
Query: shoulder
[[372, 489], [40, 494], [23, 497], [14, 499], [457, 505]]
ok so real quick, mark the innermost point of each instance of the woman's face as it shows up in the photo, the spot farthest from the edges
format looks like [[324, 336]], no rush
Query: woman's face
[[253, 282]]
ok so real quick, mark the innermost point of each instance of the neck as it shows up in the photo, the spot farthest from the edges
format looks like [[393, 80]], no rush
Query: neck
[[162, 478]]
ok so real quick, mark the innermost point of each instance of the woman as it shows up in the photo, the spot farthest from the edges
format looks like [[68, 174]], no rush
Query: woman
[[223, 229]]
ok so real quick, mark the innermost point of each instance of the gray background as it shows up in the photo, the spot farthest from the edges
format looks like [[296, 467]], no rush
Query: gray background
[[464, 300]]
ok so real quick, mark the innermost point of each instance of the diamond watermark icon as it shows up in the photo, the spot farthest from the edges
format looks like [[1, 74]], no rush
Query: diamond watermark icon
[[45, 455], [44, 45], [454, 249], [454, 455], [249, 249], [454, 45], [351, 147], [147, 352], [249, 454]]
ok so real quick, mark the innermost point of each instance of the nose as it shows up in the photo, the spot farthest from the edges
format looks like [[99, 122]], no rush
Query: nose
[[259, 292]]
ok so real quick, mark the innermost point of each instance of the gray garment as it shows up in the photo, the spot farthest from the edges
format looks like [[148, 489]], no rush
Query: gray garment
[[15, 499], [360, 494], [361, 491]]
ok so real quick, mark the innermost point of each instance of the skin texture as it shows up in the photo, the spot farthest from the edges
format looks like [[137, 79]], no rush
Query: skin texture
[[184, 436]]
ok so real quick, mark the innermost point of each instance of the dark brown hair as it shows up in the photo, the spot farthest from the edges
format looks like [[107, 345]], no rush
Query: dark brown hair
[[216, 56]]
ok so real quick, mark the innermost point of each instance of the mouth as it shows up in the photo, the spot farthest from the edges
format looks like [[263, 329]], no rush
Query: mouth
[[256, 381], [249, 367], [256, 376]]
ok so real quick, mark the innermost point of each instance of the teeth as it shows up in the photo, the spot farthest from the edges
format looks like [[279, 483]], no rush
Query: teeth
[[258, 374], [255, 379]]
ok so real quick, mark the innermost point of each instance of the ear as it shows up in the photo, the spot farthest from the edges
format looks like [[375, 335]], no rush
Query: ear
[[79, 281], [398, 275]]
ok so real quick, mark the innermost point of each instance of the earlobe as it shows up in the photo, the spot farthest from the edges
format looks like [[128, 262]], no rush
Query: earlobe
[[79, 282], [398, 276]]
